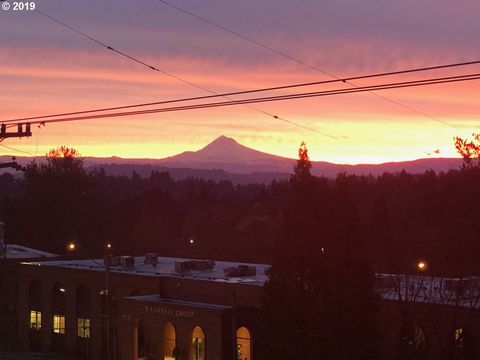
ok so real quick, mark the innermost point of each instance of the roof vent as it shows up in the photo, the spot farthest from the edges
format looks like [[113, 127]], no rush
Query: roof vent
[[127, 262], [181, 266], [151, 259], [240, 270]]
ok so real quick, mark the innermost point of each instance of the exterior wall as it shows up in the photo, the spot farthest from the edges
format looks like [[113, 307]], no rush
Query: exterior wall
[[210, 292], [438, 323], [124, 285], [184, 318], [71, 280], [8, 303]]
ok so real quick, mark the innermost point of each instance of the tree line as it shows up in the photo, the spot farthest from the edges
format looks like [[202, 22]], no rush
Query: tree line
[[325, 238], [392, 220]]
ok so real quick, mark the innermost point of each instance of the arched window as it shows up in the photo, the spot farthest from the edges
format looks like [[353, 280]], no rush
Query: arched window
[[419, 338], [458, 343], [83, 312], [169, 341], [198, 344], [35, 295], [108, 308], [413, 340], [244, 344], [141, 348], [58, 308]]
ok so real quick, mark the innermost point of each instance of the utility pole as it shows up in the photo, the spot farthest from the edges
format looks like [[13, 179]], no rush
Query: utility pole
[[107, 260], [23, 130], [234, 326]]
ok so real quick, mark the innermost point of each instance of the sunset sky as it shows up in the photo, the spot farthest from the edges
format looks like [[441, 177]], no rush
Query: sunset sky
[[46, 69]]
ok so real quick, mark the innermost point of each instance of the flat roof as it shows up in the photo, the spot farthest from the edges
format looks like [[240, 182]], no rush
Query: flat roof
[[450, 291], [166, 268], [20, 252]]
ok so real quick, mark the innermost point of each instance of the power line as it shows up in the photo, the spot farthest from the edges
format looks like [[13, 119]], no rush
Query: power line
[[249, 39], [20, 151], [151, 67], [274, 98], [245, 92], [101, 43], [423, 82], [294, 59]]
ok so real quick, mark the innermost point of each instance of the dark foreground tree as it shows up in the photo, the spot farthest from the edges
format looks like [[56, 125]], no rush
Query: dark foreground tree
[[319, 300], [469, 149], [56, 206]]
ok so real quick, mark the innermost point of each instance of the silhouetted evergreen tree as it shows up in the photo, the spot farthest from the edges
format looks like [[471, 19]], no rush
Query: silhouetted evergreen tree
[[319, 300]]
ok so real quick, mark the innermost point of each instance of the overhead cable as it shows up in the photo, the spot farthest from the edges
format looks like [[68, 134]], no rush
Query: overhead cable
[[387, 86], [151, 67], [293, 58], [246, 92]]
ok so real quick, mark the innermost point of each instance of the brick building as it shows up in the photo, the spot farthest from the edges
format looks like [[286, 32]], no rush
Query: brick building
[[169, 308], [158, 308], [11, 256]]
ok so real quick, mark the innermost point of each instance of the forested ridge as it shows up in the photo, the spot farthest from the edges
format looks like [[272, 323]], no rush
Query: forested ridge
[[392, 220]]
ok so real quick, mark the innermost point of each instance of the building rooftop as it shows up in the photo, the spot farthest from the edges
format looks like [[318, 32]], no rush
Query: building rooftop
[[23, 253], [451, 291], [218, 271]]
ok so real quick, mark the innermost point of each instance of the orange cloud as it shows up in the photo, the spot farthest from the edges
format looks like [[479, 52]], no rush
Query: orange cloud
[[369, 129]]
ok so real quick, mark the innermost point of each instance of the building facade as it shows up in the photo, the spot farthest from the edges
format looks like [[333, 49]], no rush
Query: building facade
[[11, 256], [169, 308], [141, 308]]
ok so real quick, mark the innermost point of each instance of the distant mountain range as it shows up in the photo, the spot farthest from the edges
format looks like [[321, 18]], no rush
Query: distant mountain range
[[226, 159]]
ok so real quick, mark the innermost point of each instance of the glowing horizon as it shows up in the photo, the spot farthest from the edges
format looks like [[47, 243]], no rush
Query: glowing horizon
[[47, 69]]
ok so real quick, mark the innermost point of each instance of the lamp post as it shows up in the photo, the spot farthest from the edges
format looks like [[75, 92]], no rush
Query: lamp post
[[106, 261], [193, 248], [414, 285]]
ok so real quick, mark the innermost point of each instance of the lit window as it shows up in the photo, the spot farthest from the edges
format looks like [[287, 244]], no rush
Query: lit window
[[458, 334], [458, 348], [83, 328], [169, 342], [243, 344], [35, 319], [198, 344], [59, 324], [419, 337]]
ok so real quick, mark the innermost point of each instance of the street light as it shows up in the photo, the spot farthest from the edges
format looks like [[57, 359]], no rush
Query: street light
[[107, 261], [422, 265], [71, 246]]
